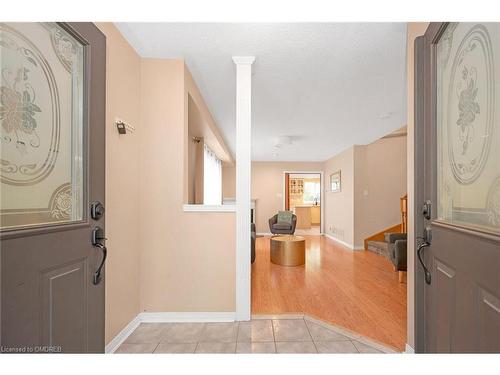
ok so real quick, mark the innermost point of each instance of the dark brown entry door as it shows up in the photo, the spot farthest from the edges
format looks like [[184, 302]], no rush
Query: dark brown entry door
[[457, 127], [52, 113]]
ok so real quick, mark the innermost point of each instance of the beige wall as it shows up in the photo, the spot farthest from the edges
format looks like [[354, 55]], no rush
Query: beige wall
[[373, 180], [207, 126], [339, 207], [146, 186], [414, 30], [173, 255], [199, 173], [199, 123], [195, 169], [267, 187], [122, 182], [228, 181], [379, 182], [191, 169]]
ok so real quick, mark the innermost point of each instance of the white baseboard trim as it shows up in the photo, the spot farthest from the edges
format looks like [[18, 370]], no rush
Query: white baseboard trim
[[208, 208], [297, 233], [167, 317], [277, 316], [343, 243], [187, 317], [409, 349], [122, 336]]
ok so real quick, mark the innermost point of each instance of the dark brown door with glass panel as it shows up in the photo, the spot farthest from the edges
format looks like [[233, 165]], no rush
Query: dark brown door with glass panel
[[457, 128], [52, 113]]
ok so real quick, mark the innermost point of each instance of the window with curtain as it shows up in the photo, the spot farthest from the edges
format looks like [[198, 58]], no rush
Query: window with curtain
[[212, 178], [312, 192]]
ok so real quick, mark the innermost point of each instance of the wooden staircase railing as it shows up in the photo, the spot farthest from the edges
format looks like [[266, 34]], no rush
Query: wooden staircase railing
[[404, 213]]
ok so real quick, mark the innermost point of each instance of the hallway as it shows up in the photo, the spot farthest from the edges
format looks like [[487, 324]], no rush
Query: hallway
[[356, 290]]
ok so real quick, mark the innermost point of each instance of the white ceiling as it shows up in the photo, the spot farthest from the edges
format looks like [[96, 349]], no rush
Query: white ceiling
[[326, 85]]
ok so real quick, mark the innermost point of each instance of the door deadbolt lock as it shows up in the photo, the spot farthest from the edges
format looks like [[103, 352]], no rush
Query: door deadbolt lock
[[96, 210], [427, 210]]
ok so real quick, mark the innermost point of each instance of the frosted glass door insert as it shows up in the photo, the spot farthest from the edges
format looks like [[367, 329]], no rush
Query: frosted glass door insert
[[468, 127], [41, 122]]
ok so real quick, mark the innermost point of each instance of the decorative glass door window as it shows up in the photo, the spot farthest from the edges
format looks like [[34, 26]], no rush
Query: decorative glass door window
[[468, 125], [41, 125]]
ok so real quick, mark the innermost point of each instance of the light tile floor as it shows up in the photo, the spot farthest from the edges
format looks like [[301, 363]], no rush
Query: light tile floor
[[292, 335]]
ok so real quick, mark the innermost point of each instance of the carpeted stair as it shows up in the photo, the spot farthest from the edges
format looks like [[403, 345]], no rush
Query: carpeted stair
[[379, 247]]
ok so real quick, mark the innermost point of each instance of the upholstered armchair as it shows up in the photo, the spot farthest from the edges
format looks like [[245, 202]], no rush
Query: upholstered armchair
[[282, 228], [397, 251]]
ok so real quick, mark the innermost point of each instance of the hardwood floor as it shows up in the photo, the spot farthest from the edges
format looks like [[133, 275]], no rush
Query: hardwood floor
[[358, 290]]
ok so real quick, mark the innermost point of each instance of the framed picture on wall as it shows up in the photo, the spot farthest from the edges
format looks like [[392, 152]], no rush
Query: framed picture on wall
[[335, 182]]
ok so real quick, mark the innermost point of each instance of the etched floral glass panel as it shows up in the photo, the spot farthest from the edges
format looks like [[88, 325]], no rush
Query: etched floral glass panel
[[468, 125], [41, 120]]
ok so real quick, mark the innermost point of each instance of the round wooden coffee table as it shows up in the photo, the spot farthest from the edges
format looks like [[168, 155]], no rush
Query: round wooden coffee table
[[288, 250]]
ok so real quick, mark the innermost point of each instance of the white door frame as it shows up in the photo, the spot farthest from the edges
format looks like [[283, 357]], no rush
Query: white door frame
[[322, 192]]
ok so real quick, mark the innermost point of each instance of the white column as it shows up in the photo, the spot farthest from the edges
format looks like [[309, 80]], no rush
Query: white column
[[243, 183]]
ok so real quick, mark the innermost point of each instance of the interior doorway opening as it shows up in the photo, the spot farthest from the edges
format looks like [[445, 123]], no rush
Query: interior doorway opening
[[302, 195]]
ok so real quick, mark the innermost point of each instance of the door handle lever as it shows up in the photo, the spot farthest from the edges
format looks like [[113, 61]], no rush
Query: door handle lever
[[427, 274], [97, 237], [97, 273]]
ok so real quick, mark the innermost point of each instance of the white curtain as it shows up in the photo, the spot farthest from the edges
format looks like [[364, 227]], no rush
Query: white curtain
[[312, 192], [212, 178]]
